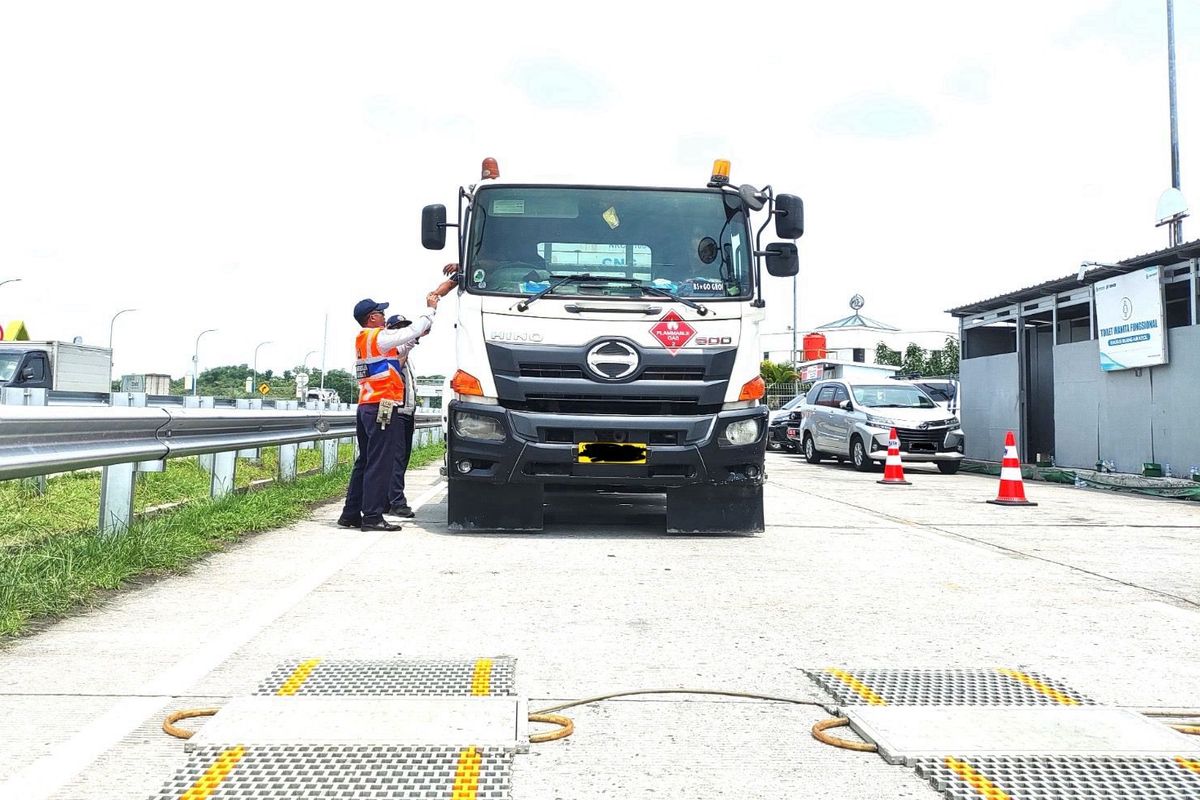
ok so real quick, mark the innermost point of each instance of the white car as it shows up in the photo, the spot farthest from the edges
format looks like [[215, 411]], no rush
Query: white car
[[943, 391], [852, 420]]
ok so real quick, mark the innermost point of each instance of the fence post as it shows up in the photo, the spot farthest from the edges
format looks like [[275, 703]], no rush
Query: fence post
[[287, 452], [117, 481], [309, 405], [252, 454], [189, 401], [27, 397], [224, 472]]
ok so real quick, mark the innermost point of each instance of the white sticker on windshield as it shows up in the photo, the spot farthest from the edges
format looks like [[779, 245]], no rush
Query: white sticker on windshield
[[508, 207]]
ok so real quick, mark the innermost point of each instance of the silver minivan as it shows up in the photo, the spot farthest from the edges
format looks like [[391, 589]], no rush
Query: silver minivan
[[846, 419]]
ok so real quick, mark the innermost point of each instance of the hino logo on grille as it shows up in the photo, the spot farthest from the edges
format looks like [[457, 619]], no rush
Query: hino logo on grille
[[612, 360]]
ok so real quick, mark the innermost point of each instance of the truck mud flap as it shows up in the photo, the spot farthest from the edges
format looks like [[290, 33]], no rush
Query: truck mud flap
[[729, 508], [475, 506]]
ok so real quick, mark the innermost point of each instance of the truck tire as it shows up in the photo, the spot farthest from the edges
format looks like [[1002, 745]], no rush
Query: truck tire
[[476, 506], [727, 508], [948, 467]]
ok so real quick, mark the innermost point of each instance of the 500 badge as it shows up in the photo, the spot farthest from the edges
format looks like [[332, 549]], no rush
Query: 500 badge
[[713, 340]]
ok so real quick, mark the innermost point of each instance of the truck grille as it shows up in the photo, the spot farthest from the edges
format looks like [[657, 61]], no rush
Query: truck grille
[[618, 406], [659, 373]]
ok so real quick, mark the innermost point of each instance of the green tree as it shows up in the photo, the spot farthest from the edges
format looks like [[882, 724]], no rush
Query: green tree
[[914, 359], [935, 364], [950, 356], [886, 355], [777, 373]]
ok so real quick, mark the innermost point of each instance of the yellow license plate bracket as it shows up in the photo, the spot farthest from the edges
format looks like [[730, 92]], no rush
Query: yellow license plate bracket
[[611, 453]]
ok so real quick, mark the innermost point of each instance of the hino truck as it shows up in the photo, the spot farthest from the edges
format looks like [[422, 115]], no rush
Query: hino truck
[[607, 341], [55, 365]]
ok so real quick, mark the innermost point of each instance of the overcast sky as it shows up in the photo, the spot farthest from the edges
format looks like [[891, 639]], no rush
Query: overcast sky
[[252, 166]]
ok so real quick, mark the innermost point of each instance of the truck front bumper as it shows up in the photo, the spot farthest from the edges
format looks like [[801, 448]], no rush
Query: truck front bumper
[[544, 448]]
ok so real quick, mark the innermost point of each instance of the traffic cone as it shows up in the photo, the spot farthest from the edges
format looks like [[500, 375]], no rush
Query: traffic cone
[[1012, 486], [893, 470]]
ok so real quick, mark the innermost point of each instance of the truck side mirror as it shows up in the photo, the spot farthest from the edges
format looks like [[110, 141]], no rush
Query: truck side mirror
[[433, 227], [789, 217], [782, 259]]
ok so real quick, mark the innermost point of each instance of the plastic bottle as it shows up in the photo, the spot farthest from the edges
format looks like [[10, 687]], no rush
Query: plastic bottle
[[1079, 484], [1166, 470]]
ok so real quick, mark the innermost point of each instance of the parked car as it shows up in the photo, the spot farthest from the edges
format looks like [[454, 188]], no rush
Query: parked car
[[852, 420], [777, 424]]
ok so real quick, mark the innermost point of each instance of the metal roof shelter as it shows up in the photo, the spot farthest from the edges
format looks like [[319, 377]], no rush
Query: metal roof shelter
[[1021, 361]]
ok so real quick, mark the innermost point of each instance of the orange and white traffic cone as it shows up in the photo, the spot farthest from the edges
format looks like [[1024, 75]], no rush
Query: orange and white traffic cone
[[893, 470], [1012, 485]]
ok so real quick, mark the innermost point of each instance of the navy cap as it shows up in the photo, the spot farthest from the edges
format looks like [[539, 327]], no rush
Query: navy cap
[[364, 307], [398, 321]]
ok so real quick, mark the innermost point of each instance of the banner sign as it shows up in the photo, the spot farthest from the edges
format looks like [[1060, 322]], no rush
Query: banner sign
[[1129, 319]]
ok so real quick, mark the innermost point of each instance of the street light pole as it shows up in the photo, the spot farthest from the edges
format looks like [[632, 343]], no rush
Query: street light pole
[[10, 280], [196, 362], [305, 363], [114, 322], [254, 380], [1177, 225]]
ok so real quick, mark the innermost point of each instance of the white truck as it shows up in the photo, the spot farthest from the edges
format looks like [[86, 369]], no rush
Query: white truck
[[55, 365], [607, 340]]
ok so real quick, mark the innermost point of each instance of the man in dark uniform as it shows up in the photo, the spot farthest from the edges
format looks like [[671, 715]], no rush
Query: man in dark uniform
[[405, 417], [378, 354]]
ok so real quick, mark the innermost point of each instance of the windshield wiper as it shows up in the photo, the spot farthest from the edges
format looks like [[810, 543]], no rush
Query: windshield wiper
[[564, 279], [661, 292]]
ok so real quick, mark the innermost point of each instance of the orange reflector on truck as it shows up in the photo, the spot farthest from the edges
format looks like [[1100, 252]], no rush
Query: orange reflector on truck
[[753, 390], [466, 383]]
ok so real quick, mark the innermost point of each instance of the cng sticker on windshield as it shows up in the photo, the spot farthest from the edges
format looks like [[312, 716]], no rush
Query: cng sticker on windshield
[[673, 332]]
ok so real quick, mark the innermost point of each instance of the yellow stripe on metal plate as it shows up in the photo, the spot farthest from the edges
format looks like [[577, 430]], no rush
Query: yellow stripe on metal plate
[[212, 778], [481, 680], [980, 784], [466, 777], [1188, 764], [1038, 686], [864, 691], [297, 678]]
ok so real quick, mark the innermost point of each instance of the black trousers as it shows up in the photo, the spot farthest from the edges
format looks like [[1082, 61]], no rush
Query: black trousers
[[404, 442], [367, 494]]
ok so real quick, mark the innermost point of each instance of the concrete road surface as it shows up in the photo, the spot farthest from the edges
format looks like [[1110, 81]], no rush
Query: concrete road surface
[[1099, 590]]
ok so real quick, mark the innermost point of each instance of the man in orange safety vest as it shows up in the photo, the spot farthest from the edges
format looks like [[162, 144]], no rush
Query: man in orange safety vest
[[381, 391]]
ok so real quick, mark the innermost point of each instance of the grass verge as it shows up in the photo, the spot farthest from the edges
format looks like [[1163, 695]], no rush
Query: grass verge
[[48, 577]]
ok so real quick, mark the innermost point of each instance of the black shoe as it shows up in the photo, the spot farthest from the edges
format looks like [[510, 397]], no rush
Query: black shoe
[[344, 522], [382, 525], [402, 511]]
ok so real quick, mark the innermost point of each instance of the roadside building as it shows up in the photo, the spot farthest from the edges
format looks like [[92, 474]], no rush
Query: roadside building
[[1098, 367]]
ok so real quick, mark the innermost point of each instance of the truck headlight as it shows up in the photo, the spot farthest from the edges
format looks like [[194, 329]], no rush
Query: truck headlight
[[478, 426], [741, 432]]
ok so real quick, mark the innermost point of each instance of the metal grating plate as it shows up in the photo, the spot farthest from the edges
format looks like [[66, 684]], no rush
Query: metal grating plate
[[296, 772], [944, 687], [481, 677], [1074, 778]]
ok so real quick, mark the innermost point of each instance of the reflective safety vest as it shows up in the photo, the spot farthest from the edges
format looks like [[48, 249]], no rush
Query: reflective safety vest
[[378, 373]]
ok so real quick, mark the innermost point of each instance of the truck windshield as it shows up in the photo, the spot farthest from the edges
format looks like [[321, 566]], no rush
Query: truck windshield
[[8, 366], [693, 244]]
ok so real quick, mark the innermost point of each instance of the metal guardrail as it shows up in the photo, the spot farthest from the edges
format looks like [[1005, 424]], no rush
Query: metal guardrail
[[137, 433]]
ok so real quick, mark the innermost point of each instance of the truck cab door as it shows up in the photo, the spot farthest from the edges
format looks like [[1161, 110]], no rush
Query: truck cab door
[[34, 372]]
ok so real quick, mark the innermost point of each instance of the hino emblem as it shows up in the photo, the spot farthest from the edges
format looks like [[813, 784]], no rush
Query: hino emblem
[[612, 360], [514, 336]]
